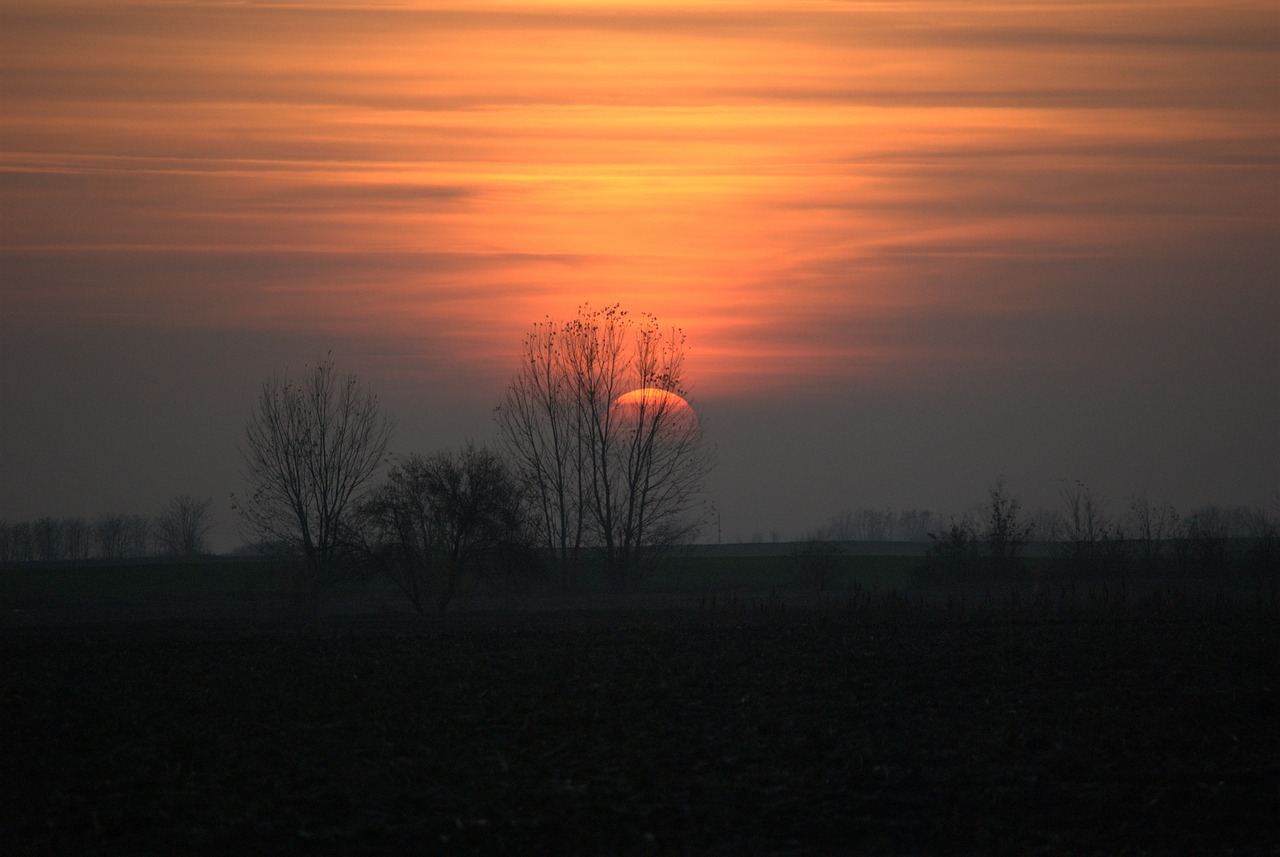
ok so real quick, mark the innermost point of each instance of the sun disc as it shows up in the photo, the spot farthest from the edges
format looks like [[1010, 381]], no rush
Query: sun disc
[[649, 406]]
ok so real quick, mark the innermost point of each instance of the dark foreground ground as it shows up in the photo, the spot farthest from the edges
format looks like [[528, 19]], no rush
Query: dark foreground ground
[[717, 730]]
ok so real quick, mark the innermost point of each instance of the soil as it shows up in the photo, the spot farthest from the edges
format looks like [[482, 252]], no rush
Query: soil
[[708, 731]]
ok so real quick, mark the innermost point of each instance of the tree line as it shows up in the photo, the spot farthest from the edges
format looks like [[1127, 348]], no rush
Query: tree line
[[1085, 538], [599, 460], [878, 525], [179, 530]]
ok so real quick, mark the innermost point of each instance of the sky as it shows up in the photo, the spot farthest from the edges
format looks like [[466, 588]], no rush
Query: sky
[[913, 246]]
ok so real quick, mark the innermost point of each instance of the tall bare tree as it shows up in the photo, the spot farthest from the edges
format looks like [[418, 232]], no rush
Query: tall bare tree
[[311, 448], [626, 480], [540, 428], [182, 527]]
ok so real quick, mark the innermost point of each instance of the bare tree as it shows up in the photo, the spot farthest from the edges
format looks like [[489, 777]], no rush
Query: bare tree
[[624, 479], [1262, 528], [1202, 539], [1086, 536], [47, 539], [540, 422], [955, 549], [140, 536], [1004, 532], [914, 525], [111, 534], [652, 461], [20, 548], [434, 521], [864, 525], [1152, 524], [182, 527], [122, 536], [76, 536], [311, 447]]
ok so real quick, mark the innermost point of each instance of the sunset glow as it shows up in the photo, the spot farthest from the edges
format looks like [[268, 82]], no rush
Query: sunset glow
[[743, 170], [942, 203]]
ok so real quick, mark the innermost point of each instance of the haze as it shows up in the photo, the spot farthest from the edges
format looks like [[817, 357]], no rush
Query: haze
[[914, 246]]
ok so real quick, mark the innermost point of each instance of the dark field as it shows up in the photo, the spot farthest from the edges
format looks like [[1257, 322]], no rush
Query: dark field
[[858, 727]]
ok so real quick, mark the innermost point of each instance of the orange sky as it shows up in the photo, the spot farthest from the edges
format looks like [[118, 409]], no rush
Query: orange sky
[[743, 170], [822, 194]]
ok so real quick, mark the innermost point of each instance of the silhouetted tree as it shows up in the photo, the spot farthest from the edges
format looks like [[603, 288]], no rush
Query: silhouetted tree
[[434, 521], [1151, 525], [914, 525], [112, 535], [46, 535], [118, 535], [182, 527], [1004, 533], [20, 549], [1262, 528], [1200, 542], [955, 549], [76, 538], [140, 534], [541, 428], [909, 525], [991, 542], [1085, 536], [311, 447], [625, 481]]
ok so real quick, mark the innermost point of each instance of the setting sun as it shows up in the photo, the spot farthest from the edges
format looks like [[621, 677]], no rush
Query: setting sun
[[662, 410]]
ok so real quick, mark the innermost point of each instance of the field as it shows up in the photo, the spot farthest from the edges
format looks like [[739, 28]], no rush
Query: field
[[864, 722]]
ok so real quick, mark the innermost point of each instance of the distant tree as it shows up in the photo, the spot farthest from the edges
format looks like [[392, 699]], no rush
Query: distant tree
[[956, 548], [77, 538], [990, 542], [435, 521], [1262, 528], [1200, 542], [182, 527], [1151, 524], [113, 535], [310, 450], [1086, 537], [909, 525], [140, 536], [46, 535], [1046, 523], [624, 480], [862, 525], [20, 547], [914, 525], [118, 535], [1005, 532]]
